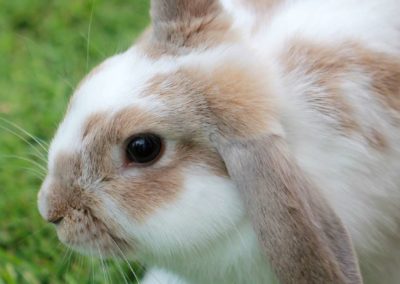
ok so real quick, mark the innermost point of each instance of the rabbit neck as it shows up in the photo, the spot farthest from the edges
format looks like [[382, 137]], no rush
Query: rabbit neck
[[234, 258]]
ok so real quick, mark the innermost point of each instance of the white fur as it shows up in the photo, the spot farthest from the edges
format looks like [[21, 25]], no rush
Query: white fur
[[204, 236], [161, 276], [118, 83]]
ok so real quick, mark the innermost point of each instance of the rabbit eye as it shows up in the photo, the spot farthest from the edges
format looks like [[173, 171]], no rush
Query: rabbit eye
[[143, 148]]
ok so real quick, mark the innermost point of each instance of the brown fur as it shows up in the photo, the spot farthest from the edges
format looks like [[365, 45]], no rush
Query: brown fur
[[377, 140], [140, 195], [328, 66], [325, 66], [91, 122], [65, 193], [81, 219], [302, 236], [385, 73], [228, 98], [183, 25]]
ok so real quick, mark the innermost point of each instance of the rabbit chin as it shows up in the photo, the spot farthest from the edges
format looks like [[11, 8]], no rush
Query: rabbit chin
[[91, 237]]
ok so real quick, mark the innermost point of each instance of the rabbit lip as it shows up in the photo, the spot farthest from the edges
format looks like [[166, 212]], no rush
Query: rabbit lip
[[56, 221]]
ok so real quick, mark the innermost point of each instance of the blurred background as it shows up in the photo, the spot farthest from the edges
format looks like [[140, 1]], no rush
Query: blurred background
[[46, 47]]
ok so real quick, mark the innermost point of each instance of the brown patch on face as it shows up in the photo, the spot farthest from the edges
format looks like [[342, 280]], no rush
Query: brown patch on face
[[186, 25], [241, 101], [77, 210], [65, 192], [229, 99], [328, 67], [91, 122], [157, 186], [153, 186]]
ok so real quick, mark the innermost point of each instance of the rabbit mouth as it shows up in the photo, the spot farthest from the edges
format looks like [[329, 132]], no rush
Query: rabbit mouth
[[88, 235]]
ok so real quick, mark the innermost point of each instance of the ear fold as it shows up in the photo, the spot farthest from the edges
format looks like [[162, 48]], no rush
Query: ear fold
[[302, 236]]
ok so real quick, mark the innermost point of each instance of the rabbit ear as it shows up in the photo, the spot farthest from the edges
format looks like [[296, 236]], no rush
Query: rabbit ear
[[302, 236], [181, 10], [187, 23]]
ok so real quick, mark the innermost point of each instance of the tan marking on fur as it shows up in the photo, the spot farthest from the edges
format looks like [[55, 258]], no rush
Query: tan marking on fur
[[201, 33], [91, 122], [377, 140], [299, 232], [155, 185], [230, 98], [132, 120], [64, 192], [385, 73], [241, 101], [197, 25], [79, 208], [329, 66], [324, 66]]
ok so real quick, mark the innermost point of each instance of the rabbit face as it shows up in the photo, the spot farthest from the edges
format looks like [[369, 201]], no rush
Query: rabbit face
[[102, 199]]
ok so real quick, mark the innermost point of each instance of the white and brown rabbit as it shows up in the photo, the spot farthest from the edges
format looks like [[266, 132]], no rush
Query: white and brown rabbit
[[235, 136]]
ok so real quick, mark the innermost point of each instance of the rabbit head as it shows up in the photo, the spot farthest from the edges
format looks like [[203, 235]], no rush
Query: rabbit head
[[174, 142]]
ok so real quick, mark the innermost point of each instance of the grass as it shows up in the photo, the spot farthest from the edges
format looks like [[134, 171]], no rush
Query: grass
[[46, 47]]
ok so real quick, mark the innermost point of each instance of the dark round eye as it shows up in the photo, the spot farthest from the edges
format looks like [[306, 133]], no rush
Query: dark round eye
[[143, 148]]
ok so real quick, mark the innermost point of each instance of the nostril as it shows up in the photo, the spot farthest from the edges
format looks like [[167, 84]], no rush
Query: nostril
[[56, 221]]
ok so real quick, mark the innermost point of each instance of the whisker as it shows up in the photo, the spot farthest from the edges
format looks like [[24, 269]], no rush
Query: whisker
[[69, 258], [37, 140], [37, 153], [119, 268], [101, 262], [63, 260], [37, 174], [24, 159], [126, 260]]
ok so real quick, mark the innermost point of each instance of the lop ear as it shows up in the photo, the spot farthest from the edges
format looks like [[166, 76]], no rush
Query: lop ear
[[302, 236], [180, 24]]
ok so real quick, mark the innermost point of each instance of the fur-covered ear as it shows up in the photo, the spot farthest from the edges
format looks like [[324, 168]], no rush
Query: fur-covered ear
[[182, 10], [187, 23], [301, 235]]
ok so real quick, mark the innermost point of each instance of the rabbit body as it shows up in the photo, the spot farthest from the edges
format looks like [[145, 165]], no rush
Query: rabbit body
[[343, 133], [333, 69], [357, 176]]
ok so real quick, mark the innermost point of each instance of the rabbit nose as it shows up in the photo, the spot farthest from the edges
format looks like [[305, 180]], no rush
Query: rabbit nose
[[52, 202]]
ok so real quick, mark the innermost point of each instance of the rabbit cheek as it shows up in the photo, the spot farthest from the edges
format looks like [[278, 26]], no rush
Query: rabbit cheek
[[139, 197]]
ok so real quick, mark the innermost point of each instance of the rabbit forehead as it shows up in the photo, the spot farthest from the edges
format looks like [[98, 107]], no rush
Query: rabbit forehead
[[117, 83], [123, 81]]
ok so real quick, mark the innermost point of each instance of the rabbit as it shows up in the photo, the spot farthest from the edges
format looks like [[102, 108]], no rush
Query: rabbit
[[239, 142]]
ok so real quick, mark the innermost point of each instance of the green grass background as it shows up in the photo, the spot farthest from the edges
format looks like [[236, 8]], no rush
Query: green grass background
[[46, 47]]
